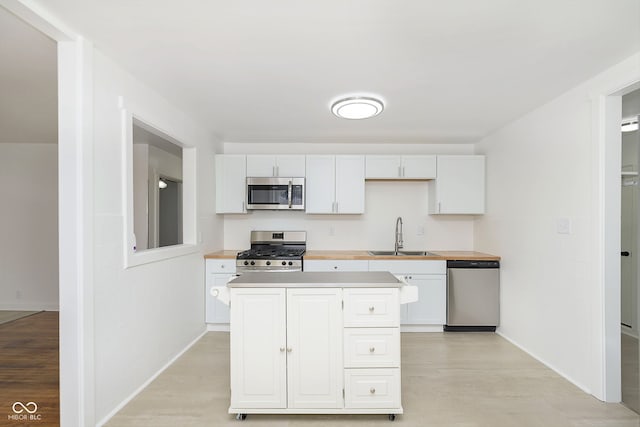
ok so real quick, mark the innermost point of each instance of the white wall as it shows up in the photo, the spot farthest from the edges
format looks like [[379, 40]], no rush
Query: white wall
[[29, 218], [542, 168], [144, 315], [384, 202]]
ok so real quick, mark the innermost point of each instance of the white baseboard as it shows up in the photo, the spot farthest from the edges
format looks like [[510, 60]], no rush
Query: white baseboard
[[420, 328], [547, 364], [628, 331], [149, 381], [30, 306], [218, 327]]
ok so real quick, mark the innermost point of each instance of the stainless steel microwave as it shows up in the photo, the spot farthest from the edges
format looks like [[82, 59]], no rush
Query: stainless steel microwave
[[275, 193]]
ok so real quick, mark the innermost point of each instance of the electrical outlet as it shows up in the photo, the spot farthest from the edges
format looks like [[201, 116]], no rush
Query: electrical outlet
[[420, 231], [332, 231]]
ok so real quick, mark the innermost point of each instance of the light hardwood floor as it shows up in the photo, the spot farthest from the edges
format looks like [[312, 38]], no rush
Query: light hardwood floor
[[630, 371], [448, 379]]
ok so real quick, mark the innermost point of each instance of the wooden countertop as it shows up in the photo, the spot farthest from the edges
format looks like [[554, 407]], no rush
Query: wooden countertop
[[360, 254], [225, 254]]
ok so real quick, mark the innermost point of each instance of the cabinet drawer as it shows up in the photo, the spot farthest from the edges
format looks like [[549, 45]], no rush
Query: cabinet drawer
[[372, 388], [220, 266], [336, 265], [371, 347], [371, 307]]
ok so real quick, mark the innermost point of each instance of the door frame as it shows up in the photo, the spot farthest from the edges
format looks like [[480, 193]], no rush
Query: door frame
[[75, 211], [607, 113]]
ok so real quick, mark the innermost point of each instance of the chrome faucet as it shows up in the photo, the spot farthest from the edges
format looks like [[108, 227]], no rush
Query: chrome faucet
[[399, 242]]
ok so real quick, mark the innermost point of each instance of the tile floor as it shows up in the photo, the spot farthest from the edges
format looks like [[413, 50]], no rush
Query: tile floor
[[448, 379]]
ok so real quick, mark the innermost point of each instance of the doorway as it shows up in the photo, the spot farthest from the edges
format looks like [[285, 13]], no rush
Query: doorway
[[29, 256], [629, 238]]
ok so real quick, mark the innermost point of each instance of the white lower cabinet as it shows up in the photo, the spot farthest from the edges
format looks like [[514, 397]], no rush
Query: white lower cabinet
[[293, 351], [218, 272], [431, 307]]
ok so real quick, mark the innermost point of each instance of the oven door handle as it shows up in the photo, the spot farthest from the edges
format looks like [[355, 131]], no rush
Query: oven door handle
[[289, 194]]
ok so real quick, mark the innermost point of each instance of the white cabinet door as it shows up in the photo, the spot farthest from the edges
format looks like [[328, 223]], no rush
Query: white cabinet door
[[431, 307], [382, 166], [314, 348], [335, 184], [349, 184], [261, 165], [459, 187], [320, 184], [336, 265], [268, 165], [230, 183], [399, 167], [215, 311], [291, 166], [419, 167], [258, 348]]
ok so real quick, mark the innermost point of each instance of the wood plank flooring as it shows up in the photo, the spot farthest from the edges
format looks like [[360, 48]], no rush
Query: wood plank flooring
[[448, 379], [29, 370]]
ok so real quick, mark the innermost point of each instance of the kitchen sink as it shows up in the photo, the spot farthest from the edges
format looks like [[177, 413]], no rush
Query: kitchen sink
[[401, 253]]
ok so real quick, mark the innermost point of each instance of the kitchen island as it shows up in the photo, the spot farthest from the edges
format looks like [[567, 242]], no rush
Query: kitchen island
[[316, 343]]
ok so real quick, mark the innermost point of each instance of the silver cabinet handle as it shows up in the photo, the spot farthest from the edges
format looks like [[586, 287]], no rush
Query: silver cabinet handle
[[288, 349], [403, 171], [372, 349], [335, 267], [371, 308], [282, 349], [372, 390]]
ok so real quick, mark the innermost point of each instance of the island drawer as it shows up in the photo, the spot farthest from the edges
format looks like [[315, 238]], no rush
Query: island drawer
[[336, 265], [369, 307], [372, 388], [371, 347]]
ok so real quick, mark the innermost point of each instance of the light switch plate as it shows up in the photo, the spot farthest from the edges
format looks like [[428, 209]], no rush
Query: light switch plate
[[563, 226]]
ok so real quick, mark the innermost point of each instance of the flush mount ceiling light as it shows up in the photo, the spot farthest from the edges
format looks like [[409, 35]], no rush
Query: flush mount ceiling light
[[629, 125], [357, 107], [162, 183]]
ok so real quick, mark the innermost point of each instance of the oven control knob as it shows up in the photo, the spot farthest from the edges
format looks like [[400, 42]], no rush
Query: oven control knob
[[268, 262], [290, 263], [284, 262], [246, 263], [253, 263]]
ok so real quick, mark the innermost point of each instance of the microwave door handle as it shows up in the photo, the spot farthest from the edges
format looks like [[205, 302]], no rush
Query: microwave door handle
[[289, 194]]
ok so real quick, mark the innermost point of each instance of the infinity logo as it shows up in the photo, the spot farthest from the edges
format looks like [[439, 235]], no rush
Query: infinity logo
[[20, 407]]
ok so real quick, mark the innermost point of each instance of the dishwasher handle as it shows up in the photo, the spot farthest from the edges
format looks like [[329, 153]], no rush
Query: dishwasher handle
[[473, 264]]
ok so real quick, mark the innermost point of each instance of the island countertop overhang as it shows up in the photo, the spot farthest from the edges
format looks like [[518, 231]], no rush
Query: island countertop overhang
[[322, 279]]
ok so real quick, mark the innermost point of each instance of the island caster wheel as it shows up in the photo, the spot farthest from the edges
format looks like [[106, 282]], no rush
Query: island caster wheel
[[241, 417], [392, 417]]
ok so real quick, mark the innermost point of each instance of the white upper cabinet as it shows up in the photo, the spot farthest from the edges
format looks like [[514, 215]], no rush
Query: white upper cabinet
[[460, 186], [400, 167], [334, 184], [230, 183], [292, 166]]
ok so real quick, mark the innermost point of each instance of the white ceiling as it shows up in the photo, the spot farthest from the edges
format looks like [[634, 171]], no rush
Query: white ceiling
[[28, 83], [449, 71]]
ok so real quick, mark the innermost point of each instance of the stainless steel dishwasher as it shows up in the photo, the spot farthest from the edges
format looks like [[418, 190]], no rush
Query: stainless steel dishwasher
[[473, 295]]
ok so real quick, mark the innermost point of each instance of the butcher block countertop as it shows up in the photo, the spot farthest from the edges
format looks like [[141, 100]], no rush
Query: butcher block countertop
[[361, 254]]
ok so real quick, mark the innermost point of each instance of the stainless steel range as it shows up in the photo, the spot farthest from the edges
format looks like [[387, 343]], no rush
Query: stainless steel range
[[273, 251]]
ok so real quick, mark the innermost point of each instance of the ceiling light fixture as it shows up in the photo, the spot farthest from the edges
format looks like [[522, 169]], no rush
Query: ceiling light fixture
[[629, 125], [357, 107], [162, 184]]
